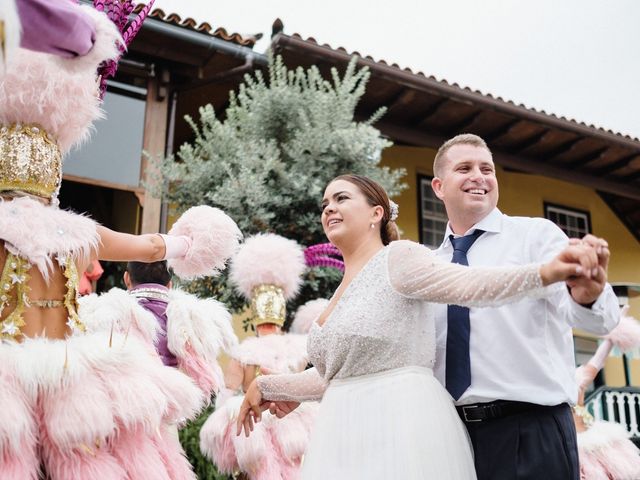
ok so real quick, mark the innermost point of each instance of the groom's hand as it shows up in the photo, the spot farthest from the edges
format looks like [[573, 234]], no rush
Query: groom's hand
[[586, 291]]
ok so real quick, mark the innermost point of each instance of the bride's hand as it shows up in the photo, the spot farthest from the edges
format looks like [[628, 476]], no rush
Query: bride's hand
[[250, 410], [282, 408], [574, 261]]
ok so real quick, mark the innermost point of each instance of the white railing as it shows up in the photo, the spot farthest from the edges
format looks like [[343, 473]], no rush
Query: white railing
[[620, 405]]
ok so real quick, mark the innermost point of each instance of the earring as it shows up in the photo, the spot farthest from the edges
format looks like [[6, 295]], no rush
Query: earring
[[373, 225]]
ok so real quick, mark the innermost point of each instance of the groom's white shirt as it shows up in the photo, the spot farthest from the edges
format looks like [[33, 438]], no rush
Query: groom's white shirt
[[522, 351]]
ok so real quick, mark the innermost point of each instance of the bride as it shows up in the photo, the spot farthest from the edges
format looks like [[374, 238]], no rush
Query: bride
[[383, 413]]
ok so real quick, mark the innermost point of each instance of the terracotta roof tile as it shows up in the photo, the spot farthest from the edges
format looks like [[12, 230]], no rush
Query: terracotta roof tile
[[468, 89], [204, 27]]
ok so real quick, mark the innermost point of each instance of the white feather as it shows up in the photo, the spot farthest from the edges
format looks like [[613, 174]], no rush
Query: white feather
[[277, 353], [118, 310], [205, 324]]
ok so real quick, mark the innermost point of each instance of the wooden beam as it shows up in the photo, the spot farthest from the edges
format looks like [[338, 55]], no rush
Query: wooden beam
[[560, 149], [101, 183], [464, 124], [633, 177], [622, 215], [500, 132], [586, 159], [401, 100], [154, 143], [428, 113], [521, 163], [612, 167], [528, 142]]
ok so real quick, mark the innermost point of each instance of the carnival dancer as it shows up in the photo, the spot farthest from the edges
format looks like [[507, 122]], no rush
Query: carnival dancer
[[267, 272], [606, 452], [79, 405], [187, 332], [383, 413]]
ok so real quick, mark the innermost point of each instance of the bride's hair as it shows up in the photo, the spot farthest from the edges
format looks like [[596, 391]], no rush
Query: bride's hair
[[375, 195]]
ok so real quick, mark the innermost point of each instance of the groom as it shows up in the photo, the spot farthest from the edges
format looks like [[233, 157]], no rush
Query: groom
[[511, 369]]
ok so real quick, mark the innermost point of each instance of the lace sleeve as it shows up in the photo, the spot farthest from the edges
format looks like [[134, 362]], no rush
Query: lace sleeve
[[298, 387], [415, 272]]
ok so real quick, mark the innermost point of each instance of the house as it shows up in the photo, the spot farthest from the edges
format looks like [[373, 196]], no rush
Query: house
[[584, 178]]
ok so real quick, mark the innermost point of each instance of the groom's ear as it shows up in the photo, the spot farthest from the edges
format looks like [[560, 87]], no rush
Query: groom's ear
[[436, 185]]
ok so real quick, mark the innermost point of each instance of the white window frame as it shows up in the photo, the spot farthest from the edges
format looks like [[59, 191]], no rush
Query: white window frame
[[573, 216], [435, 216]]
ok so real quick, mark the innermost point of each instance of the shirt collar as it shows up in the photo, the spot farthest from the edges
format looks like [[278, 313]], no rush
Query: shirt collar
[[491, 223]]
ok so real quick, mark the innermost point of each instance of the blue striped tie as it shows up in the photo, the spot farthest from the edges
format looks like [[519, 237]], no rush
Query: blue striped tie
[[458, 367]]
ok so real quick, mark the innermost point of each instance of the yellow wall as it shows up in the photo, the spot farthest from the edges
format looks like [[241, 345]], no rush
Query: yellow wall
[[525, 194]]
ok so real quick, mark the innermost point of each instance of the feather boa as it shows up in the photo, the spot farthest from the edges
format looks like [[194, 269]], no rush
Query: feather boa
[[58, 94], [39, 233], [277, 353]]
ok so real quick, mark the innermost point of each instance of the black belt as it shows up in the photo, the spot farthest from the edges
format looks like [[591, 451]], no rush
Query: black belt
[[481, 412]]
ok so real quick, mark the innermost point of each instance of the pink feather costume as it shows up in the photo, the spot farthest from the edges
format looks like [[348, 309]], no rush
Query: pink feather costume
[[275, 448], [92, 405], [198, 330], [605, 450]]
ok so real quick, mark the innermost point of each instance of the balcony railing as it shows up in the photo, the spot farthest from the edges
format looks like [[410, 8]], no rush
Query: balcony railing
[[620, 405]]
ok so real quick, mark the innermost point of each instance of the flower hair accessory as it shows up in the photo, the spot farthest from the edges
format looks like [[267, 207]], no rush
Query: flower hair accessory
[[393, 207]]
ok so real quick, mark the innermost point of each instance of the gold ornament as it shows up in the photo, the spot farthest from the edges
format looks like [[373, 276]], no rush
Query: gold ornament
[[268, 305], [30, 161]]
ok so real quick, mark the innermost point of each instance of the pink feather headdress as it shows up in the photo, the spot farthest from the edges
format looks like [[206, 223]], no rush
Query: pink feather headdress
[[118, 12], [267, 271]]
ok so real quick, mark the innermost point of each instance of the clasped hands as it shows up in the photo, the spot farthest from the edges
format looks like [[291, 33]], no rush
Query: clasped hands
[[583, 266], [253, 405]]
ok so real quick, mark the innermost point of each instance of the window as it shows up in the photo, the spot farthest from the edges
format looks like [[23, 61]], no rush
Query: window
[[432, 215], [114, 153], [575, 223]]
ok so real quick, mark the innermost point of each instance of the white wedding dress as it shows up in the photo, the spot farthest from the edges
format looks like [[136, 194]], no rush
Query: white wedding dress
[[383, 414]]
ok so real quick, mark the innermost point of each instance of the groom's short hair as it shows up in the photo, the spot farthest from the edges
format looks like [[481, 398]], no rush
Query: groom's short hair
[[462, 139]]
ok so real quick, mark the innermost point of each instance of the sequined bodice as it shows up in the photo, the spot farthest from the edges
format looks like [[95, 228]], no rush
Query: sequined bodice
[[40, 238], [373, 328], [14, 288]]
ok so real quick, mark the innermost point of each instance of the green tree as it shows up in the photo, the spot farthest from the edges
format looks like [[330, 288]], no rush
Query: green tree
[[267, 163]]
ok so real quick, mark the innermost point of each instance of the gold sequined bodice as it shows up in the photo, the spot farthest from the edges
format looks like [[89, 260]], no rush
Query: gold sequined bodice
[[14, 290]]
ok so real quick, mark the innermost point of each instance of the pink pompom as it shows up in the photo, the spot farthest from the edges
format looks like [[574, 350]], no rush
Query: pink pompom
[[214, 239], [307, 314], [626, 335], [268, 259]]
